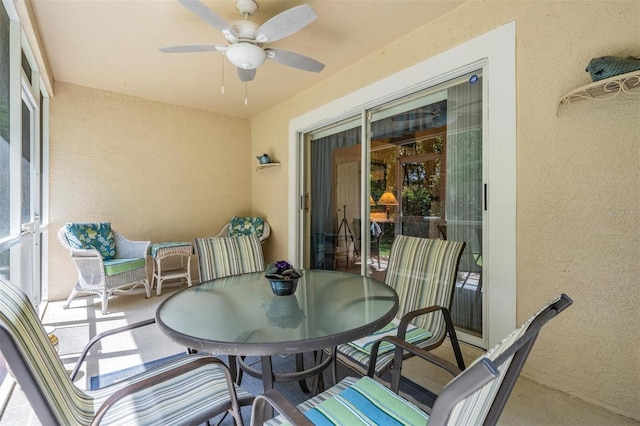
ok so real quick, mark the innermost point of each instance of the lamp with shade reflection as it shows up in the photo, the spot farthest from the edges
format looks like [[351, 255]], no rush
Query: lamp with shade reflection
[[371, 202], [388, 199]]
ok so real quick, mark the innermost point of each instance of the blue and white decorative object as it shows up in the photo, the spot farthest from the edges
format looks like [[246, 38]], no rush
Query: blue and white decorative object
[[264, 159], [610, 66], [283, 277]]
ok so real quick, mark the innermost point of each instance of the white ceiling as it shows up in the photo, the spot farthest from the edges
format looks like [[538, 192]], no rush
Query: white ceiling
[[113, 45]]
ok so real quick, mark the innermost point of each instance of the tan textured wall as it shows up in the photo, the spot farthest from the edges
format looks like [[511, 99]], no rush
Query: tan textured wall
[[578, 203], [156, 171]]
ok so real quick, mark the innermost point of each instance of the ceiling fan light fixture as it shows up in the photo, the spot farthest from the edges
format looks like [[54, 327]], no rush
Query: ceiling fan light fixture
[[245, 55]]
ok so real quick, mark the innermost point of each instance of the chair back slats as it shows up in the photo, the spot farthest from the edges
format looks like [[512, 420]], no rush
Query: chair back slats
[[34, 361], [224, 256], [504, 362], [423, 273]]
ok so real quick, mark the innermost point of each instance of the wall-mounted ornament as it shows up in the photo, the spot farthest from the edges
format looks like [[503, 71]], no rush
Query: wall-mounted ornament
[[264, 159], [610, 66]]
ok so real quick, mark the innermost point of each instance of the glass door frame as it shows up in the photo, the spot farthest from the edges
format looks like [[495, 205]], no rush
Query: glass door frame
[[494, 52]]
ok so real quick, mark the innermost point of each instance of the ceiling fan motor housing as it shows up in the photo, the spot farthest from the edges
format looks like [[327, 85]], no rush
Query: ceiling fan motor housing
[[245, 55]]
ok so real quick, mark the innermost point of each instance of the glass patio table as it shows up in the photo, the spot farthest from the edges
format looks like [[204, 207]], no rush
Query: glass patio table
[[240, 316]]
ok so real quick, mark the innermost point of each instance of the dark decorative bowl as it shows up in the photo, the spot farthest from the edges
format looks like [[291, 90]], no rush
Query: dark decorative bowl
[[283, 287]]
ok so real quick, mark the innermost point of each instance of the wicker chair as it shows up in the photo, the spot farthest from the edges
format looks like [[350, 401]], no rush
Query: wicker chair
[[423, 272], [187, 390], [124, 272], [228, 229], [477, 396]]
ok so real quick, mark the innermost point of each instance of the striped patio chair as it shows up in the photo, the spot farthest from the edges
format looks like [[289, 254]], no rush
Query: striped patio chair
[[477, 396], [423, 272], [188, 390], [224, 256]]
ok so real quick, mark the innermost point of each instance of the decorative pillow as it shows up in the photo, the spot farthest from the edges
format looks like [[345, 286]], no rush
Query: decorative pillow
[[246, 226], [88, 236]]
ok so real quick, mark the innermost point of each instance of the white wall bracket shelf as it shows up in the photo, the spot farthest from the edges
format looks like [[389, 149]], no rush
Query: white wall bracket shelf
[[261, 167], [606, 89]]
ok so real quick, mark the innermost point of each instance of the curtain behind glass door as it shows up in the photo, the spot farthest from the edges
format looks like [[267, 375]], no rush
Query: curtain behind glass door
[[333, 197], [429, 146]]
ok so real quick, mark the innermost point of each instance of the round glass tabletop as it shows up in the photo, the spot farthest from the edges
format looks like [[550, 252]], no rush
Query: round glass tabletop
[[240, 315]]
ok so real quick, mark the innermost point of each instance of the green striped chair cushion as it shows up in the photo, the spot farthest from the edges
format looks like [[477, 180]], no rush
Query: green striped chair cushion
[[183, 399], [414, 335], [224, 256], [366, 402], [117, 266], [358, 402], [310, 403], [186, 399]]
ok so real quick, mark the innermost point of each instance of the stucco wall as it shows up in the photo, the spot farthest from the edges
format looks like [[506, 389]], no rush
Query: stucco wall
[[156, 171], [578, 181]]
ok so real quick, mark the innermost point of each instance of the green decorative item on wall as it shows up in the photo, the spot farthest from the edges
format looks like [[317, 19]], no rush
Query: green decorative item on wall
[[610, 66]]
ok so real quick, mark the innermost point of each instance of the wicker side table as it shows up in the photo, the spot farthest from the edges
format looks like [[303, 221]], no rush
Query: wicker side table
[[160, 251]]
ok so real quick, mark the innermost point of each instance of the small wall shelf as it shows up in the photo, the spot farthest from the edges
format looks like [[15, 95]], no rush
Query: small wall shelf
[[262, 167], [606, 89]]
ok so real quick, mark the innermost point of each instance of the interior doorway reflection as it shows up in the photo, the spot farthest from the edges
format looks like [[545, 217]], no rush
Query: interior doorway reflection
[[425, 179]]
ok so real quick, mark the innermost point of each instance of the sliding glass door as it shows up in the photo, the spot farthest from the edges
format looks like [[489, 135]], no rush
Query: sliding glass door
[[418, 172]]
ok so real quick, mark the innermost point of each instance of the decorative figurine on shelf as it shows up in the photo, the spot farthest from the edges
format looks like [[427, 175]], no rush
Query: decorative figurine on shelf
[[610, 66], [264, 159]]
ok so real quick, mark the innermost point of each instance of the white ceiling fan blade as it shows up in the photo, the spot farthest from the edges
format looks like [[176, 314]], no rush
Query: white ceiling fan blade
[[294, 60], [211, 18], [286, 23], [246, 75], [194, 48]]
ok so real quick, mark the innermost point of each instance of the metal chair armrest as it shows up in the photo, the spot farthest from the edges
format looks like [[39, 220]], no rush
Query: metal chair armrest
[[101, 336], [451, 331], [276, 400], [401, 346]]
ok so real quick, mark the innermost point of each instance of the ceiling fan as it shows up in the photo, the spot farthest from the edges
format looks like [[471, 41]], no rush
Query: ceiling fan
[[246, 40]]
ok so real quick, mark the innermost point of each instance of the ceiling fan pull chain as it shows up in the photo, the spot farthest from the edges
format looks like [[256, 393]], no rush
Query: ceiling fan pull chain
[[222, 73], [246, 97]]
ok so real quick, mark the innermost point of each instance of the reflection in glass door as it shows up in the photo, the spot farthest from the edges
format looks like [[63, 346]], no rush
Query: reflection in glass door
[[333, 197], [430, 145], [423, 159]]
